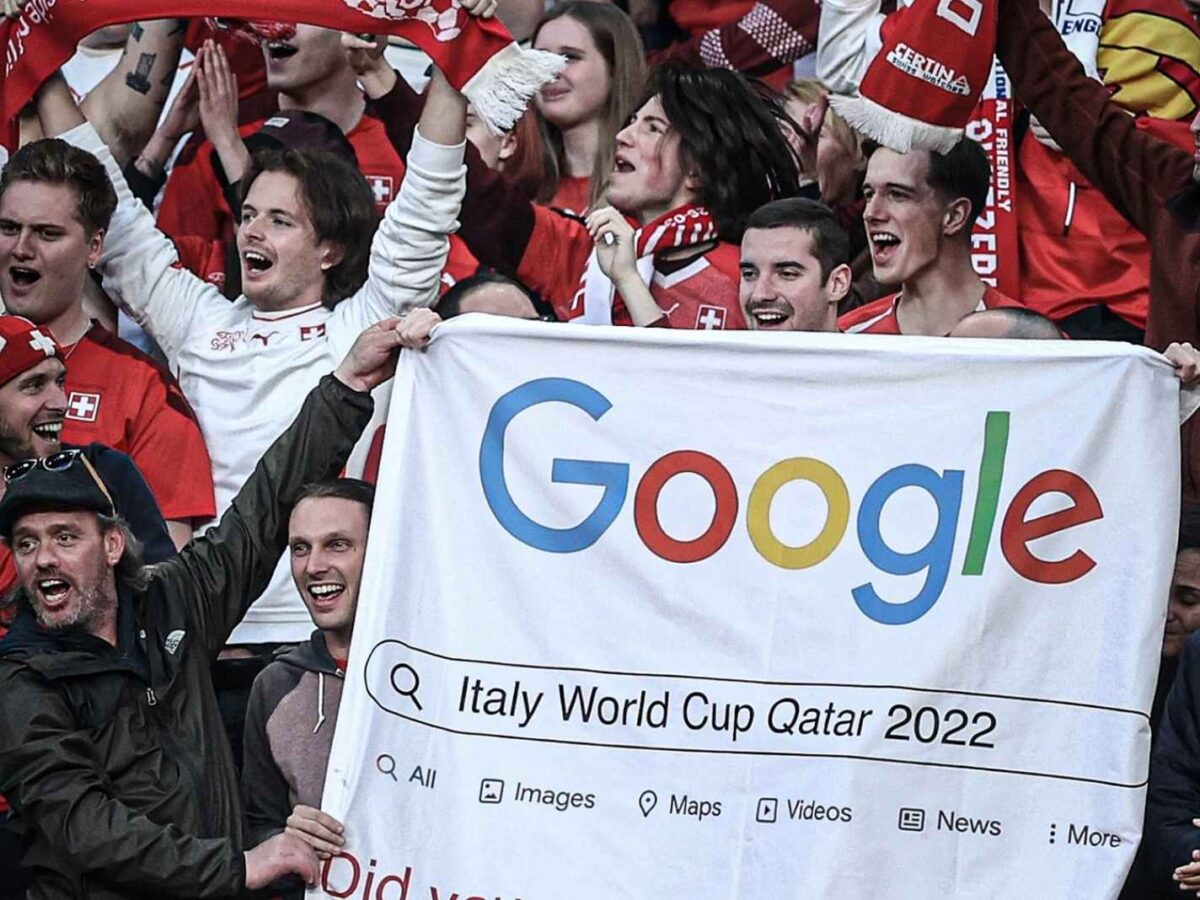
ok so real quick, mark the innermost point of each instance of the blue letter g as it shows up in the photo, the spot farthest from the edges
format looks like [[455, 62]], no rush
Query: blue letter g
[[613, 477]]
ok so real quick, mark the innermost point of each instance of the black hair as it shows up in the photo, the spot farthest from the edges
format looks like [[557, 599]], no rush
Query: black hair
[[963, 171], [450, 304], [353, 489], [830, 242], [729, 137], [339, 203], [1189, 526]]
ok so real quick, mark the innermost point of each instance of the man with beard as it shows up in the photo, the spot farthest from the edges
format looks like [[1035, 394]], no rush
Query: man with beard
[[32, 406], [108, 721]]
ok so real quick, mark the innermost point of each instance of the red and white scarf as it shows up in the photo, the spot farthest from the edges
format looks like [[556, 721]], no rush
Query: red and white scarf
[[687, 226], [478, 56], [920, 89]]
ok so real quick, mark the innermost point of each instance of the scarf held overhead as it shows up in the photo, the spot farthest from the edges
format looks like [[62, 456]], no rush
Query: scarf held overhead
[[687, 226], [478, 56], [920, 89]]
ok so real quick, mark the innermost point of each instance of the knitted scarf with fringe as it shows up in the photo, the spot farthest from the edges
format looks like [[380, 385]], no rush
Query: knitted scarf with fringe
[[919, 90]]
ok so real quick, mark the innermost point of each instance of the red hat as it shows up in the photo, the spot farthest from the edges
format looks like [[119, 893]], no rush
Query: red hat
[[22, 346]]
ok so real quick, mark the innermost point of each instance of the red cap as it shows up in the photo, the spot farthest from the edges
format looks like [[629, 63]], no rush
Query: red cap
[[22, 346]]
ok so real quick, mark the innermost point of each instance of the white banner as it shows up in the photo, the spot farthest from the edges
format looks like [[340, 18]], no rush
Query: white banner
[[725, 615]]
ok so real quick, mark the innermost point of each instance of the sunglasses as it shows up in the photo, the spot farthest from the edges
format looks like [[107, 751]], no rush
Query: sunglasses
[[56, 462]]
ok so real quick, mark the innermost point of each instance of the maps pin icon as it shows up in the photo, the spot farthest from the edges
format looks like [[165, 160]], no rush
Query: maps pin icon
[[647, 802]]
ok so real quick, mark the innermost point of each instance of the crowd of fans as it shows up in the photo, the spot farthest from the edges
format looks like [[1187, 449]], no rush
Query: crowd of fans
[[206, 218]]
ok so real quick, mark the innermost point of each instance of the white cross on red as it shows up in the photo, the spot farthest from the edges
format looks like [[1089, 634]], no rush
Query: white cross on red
[[381, 185], [711, 318], [39, 341], [83, 406]]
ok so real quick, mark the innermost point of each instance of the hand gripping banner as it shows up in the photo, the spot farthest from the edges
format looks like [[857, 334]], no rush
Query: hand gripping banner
[[666, 614]]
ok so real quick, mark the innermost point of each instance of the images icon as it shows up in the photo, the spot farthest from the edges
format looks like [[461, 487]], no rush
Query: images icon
[[491, 790]]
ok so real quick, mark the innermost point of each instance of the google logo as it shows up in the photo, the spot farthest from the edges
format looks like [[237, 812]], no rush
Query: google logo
[[1017, 528]]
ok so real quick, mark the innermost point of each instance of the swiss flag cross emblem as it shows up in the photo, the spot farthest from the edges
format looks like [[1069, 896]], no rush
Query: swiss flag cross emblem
[[710, 318], [83, 407], [381, 187], [312, 332]]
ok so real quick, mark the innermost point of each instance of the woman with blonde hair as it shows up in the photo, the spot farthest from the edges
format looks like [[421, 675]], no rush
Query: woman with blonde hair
[[840, 161]]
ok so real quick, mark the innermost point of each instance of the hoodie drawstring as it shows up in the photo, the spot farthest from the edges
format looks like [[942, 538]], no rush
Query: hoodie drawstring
[[320, 702]]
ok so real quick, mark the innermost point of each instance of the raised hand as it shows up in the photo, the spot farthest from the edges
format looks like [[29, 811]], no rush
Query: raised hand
[[483, 9]]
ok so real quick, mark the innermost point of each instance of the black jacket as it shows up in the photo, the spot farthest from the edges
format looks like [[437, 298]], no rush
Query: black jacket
[[1173, 798], [114, 759]]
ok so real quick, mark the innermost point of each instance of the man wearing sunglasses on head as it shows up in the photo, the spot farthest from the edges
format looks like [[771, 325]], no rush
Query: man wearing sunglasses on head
[[109, 730], [33, 404]]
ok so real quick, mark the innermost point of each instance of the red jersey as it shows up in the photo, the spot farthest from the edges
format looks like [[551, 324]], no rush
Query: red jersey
[[119, 396], [700, 293], [879, 316], [698, 16], [1076, 249], [203, 257], [572, 195]]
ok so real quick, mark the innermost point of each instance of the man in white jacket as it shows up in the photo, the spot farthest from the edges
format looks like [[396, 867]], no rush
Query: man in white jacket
[[246, 366]]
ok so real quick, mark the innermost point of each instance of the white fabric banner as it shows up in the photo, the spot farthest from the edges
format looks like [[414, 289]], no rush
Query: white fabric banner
[[724, 615]]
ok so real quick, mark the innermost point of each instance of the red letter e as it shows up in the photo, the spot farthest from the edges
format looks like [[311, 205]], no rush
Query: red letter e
[[1019, 531]]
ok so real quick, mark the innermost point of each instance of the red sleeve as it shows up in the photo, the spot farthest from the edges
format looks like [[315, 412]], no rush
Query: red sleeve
[[194, 200], [1137, 172], [1170, 130], [772, 33], [697, 16], [168, 448], [193, 203], [122, 398], [202, 257], [555, 260]]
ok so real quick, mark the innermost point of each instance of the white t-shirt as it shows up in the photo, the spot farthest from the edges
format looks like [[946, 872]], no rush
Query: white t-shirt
[[245, 372]]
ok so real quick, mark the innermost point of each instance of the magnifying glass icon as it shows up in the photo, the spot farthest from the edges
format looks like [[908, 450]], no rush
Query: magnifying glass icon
[[386, 764], [411, 691]]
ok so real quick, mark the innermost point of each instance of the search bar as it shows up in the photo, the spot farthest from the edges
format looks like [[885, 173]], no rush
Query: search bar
[[688, 713]]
